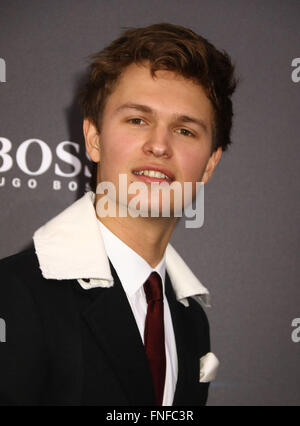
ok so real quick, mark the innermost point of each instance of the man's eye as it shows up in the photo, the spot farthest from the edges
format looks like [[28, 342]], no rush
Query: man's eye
[[136, 121], [185, 132]]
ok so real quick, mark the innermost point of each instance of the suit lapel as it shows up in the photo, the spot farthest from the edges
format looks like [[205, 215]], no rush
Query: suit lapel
[[112, 322], [188, 390]]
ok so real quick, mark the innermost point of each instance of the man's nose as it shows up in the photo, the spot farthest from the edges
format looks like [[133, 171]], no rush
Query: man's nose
[[158, 142]]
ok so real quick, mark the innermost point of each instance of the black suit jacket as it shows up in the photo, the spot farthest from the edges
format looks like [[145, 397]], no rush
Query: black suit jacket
[[70, 346]]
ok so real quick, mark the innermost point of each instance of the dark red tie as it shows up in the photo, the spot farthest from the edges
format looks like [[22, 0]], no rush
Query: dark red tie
[[154, 335]]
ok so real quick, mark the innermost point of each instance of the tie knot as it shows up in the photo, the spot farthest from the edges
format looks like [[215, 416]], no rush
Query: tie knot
[[153, 287]]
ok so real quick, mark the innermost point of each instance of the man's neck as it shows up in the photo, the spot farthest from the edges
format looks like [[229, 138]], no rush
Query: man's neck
[[148, 237]]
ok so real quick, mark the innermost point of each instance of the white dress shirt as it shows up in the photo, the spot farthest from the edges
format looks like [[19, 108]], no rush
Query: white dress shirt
[[133, 271]]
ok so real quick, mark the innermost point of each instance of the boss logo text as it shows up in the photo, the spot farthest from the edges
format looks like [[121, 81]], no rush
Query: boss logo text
[[45, 160]]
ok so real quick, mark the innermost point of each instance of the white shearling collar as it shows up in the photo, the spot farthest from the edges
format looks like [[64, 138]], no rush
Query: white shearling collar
[[70, 246]]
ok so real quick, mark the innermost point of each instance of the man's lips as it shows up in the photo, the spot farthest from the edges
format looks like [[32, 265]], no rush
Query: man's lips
[[149, 179], [168, 173]]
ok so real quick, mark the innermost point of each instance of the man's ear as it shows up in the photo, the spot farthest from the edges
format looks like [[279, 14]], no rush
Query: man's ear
[[212, 162], [92, 140]]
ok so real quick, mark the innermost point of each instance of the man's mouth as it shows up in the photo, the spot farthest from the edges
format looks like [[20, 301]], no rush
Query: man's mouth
[[153, 174]]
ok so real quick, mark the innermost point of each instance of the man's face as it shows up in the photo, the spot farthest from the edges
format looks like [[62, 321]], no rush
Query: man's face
[[163, 124]]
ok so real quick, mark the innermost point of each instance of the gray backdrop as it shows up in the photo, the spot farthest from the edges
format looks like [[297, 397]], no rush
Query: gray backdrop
[[247, 251]]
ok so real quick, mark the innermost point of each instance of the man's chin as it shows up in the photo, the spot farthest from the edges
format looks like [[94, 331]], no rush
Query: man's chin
[[152, 209]]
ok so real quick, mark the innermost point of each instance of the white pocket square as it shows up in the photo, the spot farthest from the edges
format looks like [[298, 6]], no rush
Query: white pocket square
[[209, 364]]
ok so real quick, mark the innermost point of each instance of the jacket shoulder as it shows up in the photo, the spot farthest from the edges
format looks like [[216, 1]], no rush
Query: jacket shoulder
[[23, 269], [23, 260], [21, 281], [199, 319], [19, 272], [198, 310]]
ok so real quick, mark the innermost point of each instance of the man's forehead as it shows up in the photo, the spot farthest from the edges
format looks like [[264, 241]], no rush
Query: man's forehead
[[137, 79]]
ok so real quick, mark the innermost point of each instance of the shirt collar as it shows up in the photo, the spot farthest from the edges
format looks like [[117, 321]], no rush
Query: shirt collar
[[71, 246], [121, 255]]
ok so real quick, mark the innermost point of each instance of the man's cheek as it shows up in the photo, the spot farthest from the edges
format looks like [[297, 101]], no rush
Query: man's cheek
[[194, 172], [121, 146]]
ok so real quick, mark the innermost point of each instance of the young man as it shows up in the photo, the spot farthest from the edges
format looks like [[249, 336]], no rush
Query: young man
[[102, 310]]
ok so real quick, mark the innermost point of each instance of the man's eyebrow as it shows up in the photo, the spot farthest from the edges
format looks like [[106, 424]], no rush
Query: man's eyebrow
[[178, 117], [188, 119], [139, 107]]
